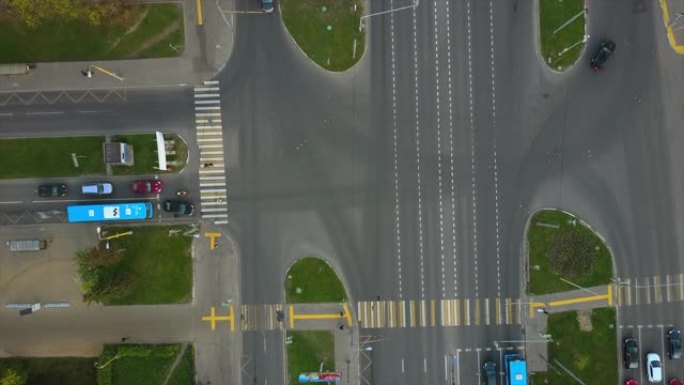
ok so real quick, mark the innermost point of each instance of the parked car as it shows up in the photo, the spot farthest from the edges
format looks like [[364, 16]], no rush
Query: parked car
[[675, 381], [674, 344], [630, 350], [99, 188], [267, 6], [631, 381], [605, 50], [489, 369], [654, 368], [53, 190], [151, 186], [178, 207]]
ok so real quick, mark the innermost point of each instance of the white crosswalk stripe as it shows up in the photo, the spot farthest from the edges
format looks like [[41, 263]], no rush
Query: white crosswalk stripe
[[212, 172]]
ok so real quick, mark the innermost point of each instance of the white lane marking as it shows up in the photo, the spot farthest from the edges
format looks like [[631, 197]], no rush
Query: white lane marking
[[202, 121], [210, 133], [208, 108], [397, 215], [440, 198], [207, 102], [216, 171], [7, 114], [201, 140], [215, 216], [402, 365], [212, 153], [471, 100], [424, 365], [210, 82], [209, 190], [207, 89], [201, 146], [217, 184], [202, 177], [221, 222], [496, 168], [92, 111], [11, 202], [451, 152], [212, 202], [418, 172], [216, 209], [458, 367], [200, 96], [446, 371], [45, 113], [204, 114], [208, 126]]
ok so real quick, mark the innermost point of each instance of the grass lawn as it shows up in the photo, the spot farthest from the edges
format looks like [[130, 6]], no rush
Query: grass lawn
[[308, 21], [138, 364], [162, 265], [540, 239], [145, 154], [55, 371], [306, 350], [51, 157], [552, 15], [590, 355], [75, 41], [185, 371], [311, 280]]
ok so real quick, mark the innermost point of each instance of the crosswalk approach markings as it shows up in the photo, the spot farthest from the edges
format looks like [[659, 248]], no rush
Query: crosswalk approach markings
[[212, 168]]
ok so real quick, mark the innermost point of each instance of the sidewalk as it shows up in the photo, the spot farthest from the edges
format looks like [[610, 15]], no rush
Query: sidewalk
[[673, 22], [206, 50], [540, 307]]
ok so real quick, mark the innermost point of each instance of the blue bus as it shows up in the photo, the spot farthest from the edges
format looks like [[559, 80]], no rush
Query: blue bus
[[110, 212], [516, 369]]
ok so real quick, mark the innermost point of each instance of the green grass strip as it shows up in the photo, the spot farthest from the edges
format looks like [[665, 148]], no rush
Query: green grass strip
[[307, 350], [589, 355], [51, 157], [540, 237], [552, 15], [311, 280], [326, 30]]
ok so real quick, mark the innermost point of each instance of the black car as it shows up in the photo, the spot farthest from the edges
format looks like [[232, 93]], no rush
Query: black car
[[674, 344], [598, 61], [489, 369], [179, 207], [630, 349], [52, 190]]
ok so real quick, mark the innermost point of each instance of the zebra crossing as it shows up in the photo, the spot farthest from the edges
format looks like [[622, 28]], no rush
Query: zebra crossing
[[212, 168], [648, 290]]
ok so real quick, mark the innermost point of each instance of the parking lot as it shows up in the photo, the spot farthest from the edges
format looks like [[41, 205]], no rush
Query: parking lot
[[650, 332]]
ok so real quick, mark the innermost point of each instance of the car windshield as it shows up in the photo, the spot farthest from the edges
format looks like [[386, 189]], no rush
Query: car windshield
[[655, 364]]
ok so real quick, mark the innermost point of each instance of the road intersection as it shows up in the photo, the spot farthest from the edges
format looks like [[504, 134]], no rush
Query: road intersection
[[414, 172]]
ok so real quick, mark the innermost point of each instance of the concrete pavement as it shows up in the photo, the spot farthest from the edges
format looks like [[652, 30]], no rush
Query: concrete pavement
[[206, 50]]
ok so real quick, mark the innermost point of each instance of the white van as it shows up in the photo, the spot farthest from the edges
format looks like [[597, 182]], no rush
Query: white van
[[100, 188], [27, 245]]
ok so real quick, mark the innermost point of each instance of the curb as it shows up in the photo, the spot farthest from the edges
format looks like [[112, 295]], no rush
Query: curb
[[537, 29]]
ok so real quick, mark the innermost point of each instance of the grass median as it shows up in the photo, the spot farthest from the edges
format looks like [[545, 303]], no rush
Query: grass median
[[312, 280], [153, 265], [308, 351], [144, 365], [51, 157], [52, 371], [326, 30], [151, 30], [561, 31], [562, 247], [584, 344], [145, 154]]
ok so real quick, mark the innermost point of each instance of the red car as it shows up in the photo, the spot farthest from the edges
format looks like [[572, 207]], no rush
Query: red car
[[675, 381], [151, 186], [631, 382]]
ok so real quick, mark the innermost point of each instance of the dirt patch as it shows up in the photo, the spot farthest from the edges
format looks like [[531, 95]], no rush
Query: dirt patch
[[584, 320], [132, 28]]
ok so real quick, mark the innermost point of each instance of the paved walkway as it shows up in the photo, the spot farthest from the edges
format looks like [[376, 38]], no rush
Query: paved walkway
[[206, 50], [673, 23], [540, 307]]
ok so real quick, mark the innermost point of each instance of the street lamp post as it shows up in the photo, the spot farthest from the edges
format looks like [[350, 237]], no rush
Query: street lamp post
[[411, 6]]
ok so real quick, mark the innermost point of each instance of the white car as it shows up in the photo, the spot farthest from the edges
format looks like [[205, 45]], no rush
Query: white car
[[654, 368], [100, 188]]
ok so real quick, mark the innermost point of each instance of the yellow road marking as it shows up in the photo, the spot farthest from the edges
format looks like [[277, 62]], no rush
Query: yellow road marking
[[212, 239], [292, 317], [232, 319], [477, 311], [432, 312], [105, 71], [619, 295], [347, 314], [199, 12], [534, 305], [578, 300], [213, 318], [610, 295]]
